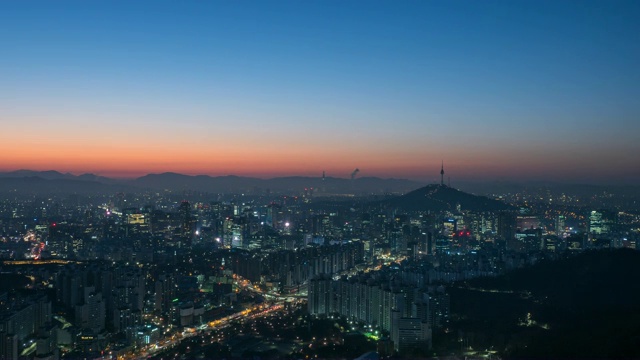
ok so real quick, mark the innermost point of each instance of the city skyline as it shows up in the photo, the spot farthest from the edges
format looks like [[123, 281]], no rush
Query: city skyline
[[498, 90]]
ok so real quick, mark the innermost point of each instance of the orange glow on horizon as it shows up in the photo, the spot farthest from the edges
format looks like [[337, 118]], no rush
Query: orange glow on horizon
[[132, 157]]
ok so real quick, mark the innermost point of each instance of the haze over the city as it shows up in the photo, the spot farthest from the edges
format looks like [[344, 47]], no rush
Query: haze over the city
[[499, 90]]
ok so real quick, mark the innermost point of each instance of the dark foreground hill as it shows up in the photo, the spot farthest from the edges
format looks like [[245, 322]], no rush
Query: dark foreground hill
[[588, 281], [442, 198], [587, 306]]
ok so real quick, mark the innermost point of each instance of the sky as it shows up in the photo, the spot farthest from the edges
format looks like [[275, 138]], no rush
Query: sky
[[498, 90]]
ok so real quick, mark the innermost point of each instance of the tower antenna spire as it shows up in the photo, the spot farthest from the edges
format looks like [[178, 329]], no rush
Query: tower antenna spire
[[442, 174]]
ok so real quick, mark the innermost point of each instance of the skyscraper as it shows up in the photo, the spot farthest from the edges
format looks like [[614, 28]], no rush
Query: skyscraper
[[600, 222], [186, 222], [560, 224]]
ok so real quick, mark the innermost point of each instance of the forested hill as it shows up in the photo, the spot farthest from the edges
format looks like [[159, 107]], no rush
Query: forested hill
[[582, 306]]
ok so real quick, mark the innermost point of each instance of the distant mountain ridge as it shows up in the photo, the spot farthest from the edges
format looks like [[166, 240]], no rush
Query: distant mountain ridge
[[55, 175], [47, 174], [287, 184], [54, 181]]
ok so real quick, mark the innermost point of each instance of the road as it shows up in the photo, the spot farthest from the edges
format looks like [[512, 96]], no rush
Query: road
[[175, 338]]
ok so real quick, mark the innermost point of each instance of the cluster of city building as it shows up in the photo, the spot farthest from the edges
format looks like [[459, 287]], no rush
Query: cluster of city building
[[111, 274]]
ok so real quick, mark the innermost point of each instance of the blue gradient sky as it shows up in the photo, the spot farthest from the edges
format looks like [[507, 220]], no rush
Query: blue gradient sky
[[544, 90]]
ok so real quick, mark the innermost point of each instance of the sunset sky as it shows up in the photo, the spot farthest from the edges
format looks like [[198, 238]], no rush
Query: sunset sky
[[499, 90]]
